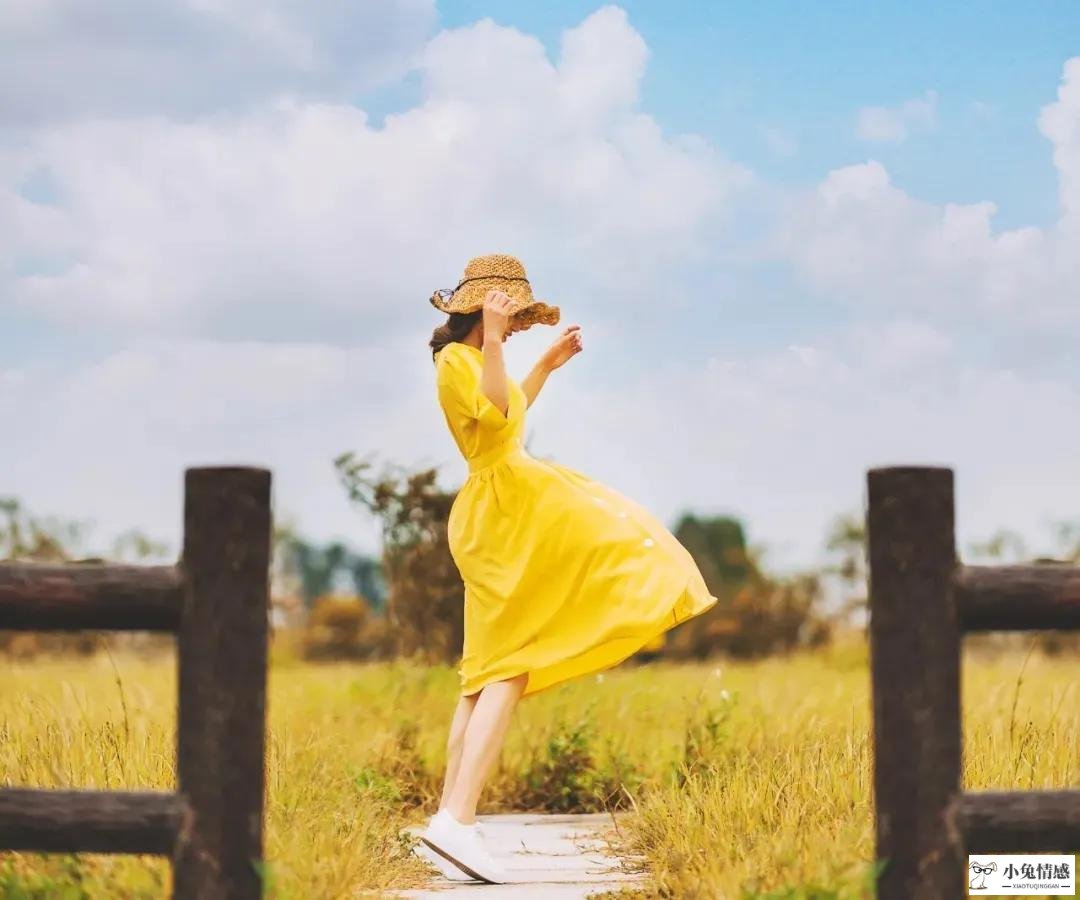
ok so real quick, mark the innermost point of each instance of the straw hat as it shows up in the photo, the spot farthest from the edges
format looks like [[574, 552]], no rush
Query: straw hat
[[501, 272]]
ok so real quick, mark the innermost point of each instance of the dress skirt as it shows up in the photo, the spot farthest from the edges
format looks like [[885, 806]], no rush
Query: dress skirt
[[563, 575]]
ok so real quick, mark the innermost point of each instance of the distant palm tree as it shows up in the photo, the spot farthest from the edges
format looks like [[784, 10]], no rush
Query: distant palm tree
[[1068, 537], [846, 542], [1002, 546]]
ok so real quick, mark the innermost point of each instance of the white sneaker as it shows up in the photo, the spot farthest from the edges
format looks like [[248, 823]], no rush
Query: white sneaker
[[446, 868], [463, 846]]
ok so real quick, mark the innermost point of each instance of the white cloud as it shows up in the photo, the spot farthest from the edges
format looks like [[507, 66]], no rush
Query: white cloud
[[300, 218], [783, 440], [858, 236], [1060, 123], [896, 345], [883, 123], [275, 216], [68, 58], [109, 441]]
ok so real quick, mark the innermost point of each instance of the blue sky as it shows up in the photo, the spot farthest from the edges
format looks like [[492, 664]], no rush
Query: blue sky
[[777, 87], [729, 71], [801, 240]]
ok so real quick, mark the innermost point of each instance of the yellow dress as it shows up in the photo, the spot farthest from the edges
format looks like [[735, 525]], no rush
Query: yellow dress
[[563, 575]]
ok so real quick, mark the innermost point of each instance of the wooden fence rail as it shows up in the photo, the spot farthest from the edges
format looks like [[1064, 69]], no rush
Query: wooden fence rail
[[922, 602], [216, 601]]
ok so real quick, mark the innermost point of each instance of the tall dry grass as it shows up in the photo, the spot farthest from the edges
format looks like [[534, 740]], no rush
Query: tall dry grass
[[745, 780]]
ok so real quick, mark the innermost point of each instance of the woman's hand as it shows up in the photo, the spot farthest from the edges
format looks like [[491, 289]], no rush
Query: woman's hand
[[566, 345], [497, 306]]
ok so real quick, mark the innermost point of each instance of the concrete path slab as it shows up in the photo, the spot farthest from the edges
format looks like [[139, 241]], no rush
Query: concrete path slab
[[550, 856]]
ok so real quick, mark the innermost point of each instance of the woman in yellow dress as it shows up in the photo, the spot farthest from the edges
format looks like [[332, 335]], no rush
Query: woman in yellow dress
[[563, 575]]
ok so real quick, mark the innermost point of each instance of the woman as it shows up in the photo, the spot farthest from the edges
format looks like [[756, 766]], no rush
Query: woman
[[563, 575]]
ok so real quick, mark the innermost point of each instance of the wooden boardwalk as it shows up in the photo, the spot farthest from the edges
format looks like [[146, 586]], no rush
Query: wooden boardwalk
[[550, 856]]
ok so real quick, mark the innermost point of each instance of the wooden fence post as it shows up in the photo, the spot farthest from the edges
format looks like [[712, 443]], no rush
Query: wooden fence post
[[915, 644], [222, 656]]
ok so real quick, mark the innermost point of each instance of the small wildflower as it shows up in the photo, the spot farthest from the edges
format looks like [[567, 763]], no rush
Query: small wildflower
[[724, 695], [599, 677], [716, 671]]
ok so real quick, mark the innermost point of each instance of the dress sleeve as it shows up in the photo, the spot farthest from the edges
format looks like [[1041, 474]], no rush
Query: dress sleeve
[[460, 390]]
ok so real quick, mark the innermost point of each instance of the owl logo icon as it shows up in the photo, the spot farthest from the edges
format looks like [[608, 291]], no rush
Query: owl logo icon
[[979, 871]]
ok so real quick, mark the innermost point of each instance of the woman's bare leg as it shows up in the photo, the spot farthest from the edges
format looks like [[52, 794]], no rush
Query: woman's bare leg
[[484, 736], [455, 741]]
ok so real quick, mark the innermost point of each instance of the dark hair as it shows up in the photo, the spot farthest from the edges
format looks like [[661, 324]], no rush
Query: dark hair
[[456, 326]]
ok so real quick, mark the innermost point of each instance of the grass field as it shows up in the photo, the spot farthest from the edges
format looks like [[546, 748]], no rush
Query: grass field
[[747, 780]]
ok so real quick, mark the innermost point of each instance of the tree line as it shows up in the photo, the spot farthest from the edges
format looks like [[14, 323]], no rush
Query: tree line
[[408, 601]]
